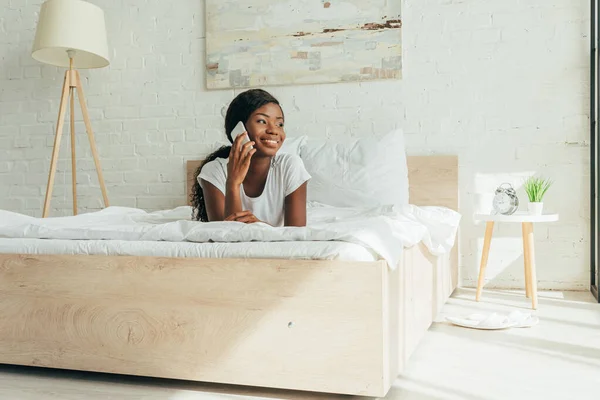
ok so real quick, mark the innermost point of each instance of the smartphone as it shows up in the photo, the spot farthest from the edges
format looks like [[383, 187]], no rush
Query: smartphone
[[239, 130]]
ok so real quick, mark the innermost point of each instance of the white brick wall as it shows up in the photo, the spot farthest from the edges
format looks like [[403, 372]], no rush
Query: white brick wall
[[503, 84]]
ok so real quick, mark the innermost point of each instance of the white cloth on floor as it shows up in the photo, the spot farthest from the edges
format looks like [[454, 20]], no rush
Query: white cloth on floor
[[523, 319], [515, 319]]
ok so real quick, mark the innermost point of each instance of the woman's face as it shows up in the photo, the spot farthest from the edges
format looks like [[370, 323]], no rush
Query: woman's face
[[265, 128]]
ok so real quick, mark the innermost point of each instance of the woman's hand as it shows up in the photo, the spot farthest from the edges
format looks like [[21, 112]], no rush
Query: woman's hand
[[243, 216], [239, 160]]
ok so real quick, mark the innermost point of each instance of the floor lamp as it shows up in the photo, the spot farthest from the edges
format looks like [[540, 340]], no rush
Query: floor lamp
[[71, 34]]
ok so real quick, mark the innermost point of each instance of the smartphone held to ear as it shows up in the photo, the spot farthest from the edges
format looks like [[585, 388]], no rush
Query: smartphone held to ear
[[240, 129]]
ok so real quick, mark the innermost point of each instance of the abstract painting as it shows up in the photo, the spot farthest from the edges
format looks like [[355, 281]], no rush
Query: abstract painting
[[265, 42]]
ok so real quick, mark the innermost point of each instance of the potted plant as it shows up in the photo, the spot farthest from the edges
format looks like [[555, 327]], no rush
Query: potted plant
[[536, 188]]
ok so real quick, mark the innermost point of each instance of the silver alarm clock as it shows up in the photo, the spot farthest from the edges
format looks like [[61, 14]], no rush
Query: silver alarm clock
[[505, 201]]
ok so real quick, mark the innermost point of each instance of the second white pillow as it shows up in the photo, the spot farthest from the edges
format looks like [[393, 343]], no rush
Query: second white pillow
[[362, 172]]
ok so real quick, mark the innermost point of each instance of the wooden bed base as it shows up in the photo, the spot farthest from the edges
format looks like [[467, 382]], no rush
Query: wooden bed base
[[315, 325]]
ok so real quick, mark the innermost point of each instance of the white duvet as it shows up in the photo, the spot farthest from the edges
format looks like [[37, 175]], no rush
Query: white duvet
[[382, 230]]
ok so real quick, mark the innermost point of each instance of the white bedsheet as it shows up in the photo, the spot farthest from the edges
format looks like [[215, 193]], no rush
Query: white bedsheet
[[382, 230], [282, 250]]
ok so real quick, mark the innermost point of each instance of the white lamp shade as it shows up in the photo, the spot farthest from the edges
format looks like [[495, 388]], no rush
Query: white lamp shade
[[71, 25]]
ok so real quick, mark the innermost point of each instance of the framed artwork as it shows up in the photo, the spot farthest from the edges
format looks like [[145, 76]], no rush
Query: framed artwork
[[265, 42]]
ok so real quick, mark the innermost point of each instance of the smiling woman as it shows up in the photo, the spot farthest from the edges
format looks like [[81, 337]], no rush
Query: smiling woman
[[251, 182]]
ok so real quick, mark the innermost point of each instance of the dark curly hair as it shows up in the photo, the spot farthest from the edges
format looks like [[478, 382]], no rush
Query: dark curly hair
[[240, 109]]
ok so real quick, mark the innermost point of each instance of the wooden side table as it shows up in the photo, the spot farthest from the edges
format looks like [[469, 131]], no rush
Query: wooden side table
[[526, 220]]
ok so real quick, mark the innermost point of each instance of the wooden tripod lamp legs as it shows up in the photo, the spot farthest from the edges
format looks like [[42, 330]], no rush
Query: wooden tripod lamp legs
[[72, 83], [59, 127], [90, 132], [73, 158]]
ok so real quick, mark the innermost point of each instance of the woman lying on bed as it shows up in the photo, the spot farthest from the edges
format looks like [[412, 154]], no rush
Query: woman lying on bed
[[252, 182]]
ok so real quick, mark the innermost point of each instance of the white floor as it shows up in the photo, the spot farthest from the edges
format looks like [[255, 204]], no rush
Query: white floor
[[557, 359]]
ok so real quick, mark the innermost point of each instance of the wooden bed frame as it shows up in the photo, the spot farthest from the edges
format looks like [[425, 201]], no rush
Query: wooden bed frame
[[315, 325]]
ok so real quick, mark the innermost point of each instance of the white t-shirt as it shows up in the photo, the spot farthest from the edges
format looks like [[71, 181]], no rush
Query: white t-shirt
[[287, 173]]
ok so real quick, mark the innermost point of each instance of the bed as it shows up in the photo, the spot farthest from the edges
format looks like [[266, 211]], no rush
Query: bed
[[336, 326]]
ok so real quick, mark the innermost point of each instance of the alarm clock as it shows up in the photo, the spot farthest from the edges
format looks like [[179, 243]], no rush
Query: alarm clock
[[505, 201]]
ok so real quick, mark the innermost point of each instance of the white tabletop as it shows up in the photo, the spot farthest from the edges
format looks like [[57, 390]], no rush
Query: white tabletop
[[519, 216]]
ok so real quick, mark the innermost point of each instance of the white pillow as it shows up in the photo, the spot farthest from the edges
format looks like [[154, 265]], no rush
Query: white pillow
[[291, 145], [363, 172]]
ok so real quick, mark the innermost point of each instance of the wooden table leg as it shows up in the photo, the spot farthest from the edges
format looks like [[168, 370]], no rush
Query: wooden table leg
[[531, 259], [487, 240], [526, 260]]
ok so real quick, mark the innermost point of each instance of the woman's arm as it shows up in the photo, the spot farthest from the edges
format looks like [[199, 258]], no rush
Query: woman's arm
[[237, 168], [214, 201], [219, 207], [233, 200], [295, 207]]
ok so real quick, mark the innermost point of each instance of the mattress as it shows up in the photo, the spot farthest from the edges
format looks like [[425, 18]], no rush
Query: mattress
[[313, 250], [379, 233]]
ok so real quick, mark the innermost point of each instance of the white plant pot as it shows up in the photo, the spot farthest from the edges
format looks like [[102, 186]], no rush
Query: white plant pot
[[535, 208]]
